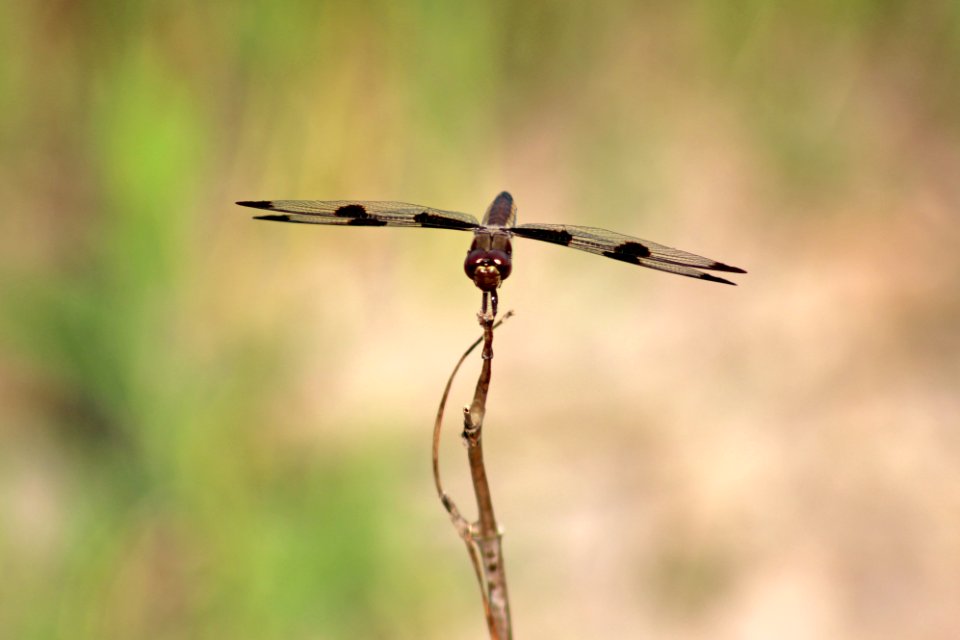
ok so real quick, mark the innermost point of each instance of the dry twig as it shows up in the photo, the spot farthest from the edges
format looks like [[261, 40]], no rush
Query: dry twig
[[482, 538]]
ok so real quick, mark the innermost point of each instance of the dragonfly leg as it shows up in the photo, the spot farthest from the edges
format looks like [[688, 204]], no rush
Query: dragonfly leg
[[484, 315], [489, 300]]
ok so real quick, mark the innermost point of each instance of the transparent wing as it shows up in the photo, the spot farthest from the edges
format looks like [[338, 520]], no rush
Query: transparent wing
[[626, 249], [362, 213]]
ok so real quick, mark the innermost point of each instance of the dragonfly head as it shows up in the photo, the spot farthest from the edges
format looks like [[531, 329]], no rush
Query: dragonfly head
[[487, 268]]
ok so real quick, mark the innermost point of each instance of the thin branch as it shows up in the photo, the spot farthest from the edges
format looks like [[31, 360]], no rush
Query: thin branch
[[483, 539]]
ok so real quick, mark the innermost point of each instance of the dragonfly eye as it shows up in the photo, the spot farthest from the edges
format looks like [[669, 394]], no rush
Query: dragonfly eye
[[474, 260], [502, 262], [483, 257]]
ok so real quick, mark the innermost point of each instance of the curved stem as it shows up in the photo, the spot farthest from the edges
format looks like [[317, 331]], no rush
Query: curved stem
[[483, 538]]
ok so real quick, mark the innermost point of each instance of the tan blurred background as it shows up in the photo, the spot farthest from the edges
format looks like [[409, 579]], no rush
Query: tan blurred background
[[212, 427]]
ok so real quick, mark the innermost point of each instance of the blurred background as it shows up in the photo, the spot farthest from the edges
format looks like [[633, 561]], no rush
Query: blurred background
[[212, 427]]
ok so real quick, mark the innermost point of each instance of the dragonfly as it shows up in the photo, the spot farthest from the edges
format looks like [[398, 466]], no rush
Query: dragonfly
[[489, 260]]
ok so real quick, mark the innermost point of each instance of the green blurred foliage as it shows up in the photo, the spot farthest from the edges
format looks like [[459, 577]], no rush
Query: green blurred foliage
[[141, 404]]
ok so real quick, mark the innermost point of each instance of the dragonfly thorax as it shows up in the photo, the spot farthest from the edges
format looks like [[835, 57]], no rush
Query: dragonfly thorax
[[488, 262]]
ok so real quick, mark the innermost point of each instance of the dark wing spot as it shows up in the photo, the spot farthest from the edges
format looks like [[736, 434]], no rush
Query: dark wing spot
[[623, 257], [275, 218], [556, 236], [351, 211], [257, 204], [632, 248], [366, 222], [428, 219]]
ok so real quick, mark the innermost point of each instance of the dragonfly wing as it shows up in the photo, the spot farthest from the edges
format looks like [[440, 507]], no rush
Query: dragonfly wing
[[362, 213], [626, 249]]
